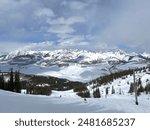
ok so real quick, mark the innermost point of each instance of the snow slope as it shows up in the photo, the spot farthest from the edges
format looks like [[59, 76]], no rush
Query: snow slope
[[69, 102]]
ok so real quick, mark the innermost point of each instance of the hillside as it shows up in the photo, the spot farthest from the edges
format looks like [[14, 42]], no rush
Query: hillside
[[69, 102], [65, 75]]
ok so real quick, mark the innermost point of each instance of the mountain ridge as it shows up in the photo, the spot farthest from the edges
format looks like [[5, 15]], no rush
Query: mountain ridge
[[75, 65]]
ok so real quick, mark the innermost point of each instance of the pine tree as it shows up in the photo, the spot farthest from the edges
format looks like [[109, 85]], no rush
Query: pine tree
[[1, 80], [17, 82], [96, 93], [112, 90], [120, 91], [141, 89], [139, 82], [87, 94], [147, 88], [84, 94], [131, 90], [107, 91], [11, 81]]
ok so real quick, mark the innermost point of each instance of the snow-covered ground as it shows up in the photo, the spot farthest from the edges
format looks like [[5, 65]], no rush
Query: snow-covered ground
[[73, 72], [70, 102]]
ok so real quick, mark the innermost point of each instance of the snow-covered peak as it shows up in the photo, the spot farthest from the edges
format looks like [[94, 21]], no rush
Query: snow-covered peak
[[68, 52], [145, 54], [47, 57]]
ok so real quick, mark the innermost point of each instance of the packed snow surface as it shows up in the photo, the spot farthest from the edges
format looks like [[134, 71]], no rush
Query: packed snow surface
[[69, 102]]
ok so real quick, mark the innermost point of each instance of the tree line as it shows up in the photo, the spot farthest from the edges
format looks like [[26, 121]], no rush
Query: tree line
[[13, 83], [103, 80], [140, 88]]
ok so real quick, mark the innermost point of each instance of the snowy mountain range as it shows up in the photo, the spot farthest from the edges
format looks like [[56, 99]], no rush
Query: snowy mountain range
[[75, 65], [47, 58]]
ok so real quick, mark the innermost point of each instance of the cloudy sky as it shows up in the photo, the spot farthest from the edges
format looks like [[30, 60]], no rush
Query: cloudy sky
[[79, 24]]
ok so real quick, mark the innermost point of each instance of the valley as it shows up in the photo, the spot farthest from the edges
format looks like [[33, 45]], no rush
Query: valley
[[77, 81]]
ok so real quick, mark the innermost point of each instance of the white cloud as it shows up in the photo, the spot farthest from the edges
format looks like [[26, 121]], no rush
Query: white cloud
[[107, 22], [61, 29], [75, 41], [129, 27], [47, 45], [77, 5], [67, 21], [44, 12], [10, 46]]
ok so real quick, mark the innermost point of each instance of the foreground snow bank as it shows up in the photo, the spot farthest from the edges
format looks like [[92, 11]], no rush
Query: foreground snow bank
[[68, 102]]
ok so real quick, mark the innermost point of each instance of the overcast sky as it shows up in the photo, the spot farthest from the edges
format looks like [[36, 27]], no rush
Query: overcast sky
[[79, 24]]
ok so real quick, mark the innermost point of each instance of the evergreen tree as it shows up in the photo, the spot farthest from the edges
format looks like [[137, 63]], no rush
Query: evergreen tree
[[131, 90], [1, 87], [11, 81], [96, 93], [139, 82], [120, 91], [2, 81], [17, 82], [87, 94], [84, 94], [6, 85], [112, 90], [107, 90], [147, 88], [141, 89]]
